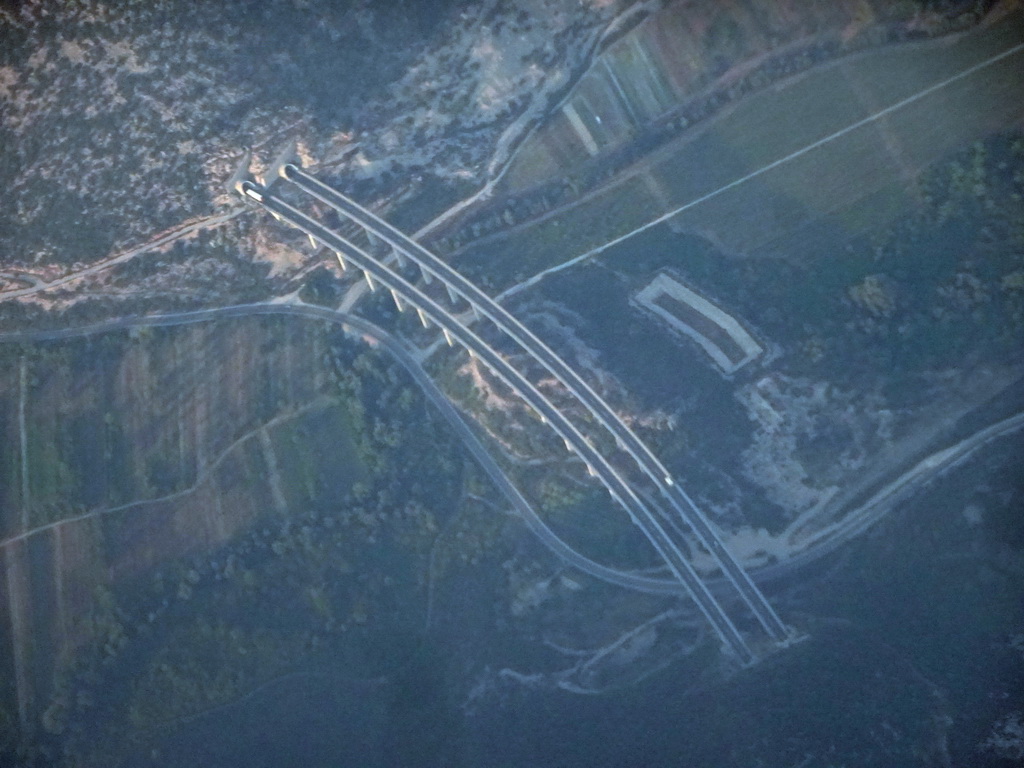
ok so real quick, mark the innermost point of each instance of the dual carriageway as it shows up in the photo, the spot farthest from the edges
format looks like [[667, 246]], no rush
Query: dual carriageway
[[656, 519]]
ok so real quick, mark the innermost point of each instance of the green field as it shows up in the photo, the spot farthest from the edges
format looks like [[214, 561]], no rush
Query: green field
[[317, 458], [617, 210], [863, 178], [853, 183]]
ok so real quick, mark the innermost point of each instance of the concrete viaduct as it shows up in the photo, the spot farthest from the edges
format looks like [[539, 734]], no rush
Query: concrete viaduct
[[637, 497]]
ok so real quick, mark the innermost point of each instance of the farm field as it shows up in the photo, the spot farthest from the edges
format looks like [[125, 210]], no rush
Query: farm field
[[864, 178], [854, 182]]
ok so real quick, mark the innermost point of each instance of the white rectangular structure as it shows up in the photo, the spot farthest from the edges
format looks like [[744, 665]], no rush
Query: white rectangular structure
[[715, 330]]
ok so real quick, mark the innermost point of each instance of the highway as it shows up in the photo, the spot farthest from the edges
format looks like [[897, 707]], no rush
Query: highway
[[620, 489], [625, 438], [533, 521]]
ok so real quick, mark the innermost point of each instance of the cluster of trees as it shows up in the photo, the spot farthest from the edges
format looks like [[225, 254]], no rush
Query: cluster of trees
[[128, 135], [948, 270], [397, 437], [938, 287]]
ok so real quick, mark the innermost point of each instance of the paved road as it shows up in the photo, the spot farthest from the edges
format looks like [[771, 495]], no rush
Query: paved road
[[850, 525], [625, 438], [883, 501], [621, 490], [183, 231], [533, 521]]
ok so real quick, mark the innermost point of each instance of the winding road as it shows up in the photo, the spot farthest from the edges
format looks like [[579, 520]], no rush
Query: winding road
[[621, 490], [433, 267], [849, 525], [533, 521]]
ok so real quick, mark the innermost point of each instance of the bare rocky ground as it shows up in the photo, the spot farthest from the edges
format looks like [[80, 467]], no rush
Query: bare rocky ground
[[123, 121]]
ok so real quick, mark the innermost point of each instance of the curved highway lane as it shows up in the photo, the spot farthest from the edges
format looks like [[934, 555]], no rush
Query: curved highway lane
[[621, 490], [533, 521], [850, 525], [625, 438]]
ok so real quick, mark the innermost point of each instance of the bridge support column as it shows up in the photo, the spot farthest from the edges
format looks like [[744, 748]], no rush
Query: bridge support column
[[582, 132], [423, 317], [369, 281], [452, 295], [448, 337], [426, 276], [313, 242], [398, 300], [399, 257], [377, 245], [341, 261]]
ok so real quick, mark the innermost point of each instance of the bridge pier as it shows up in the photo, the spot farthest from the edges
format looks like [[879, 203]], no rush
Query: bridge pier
[[452, 295], [398, 301], [581, 130], [423, 317], [635, 502], [341, 261], [377, 245]]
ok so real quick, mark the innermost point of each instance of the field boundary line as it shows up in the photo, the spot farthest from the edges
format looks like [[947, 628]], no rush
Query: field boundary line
[[764, 169]]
